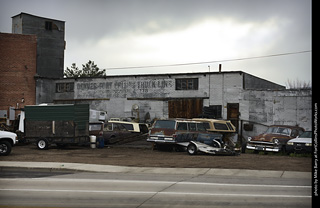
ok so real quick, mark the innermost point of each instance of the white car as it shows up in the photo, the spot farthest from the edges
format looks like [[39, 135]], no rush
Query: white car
[[7, 140], [301, 144]]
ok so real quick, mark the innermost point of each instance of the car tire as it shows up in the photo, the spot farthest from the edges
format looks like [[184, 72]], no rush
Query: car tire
[[5, 148], [42, 144], [192, 149]]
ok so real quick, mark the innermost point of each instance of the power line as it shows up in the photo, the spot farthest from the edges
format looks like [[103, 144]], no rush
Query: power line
[[209, 62]]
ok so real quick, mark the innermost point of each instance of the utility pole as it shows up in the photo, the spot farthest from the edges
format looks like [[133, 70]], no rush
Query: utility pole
[[209, 85]]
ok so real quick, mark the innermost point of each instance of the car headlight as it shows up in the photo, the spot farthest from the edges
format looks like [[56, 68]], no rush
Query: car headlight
[[249, 139], [308, 144], [276, 141], [290, 143]]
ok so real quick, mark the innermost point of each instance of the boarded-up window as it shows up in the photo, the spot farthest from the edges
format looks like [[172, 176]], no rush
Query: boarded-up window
[[187, 84], [212, 111], [65, 87]]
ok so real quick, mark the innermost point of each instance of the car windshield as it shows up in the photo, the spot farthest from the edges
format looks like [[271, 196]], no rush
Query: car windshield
[[128, 126], [278, 130], [271, 130], [220, 126], [306, 134], [94, 127], [165, 124]]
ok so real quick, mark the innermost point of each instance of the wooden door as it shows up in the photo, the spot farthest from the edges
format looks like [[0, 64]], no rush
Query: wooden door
[[185, 108], [233, 114]]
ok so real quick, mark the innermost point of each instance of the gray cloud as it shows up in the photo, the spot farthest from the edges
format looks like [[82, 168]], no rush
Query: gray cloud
[[88, 22], [97, 18], [145, 16]]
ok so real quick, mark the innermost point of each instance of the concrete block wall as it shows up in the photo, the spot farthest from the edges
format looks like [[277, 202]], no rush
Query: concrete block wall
[[117, 95], [120, 93], [45, 90], [225, 88], [123, 87], [285, 107], [152, 92], [293, 107]]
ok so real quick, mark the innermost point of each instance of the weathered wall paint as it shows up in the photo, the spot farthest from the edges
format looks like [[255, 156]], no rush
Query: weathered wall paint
[[118, 94]]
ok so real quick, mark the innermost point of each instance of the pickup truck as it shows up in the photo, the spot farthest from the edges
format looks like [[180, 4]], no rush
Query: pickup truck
[[7, 140]]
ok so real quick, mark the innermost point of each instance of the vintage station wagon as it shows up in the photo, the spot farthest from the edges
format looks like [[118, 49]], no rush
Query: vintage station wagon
[[165, 131], [118, 131]]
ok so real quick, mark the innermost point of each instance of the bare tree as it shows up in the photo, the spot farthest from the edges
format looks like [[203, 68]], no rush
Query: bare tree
[[297, 84]]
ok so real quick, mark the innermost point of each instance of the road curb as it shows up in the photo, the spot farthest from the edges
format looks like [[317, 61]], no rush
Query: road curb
[[155, 170]]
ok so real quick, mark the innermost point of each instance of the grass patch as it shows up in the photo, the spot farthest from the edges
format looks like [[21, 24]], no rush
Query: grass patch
[[300, 155], [280, 153]]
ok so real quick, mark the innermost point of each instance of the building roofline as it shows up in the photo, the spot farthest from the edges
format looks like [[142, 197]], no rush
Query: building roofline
[[265, 80], [16, 34], [23, 13], [167, 74]]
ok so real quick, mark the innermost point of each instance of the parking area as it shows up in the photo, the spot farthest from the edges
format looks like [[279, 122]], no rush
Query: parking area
[[140, 154]]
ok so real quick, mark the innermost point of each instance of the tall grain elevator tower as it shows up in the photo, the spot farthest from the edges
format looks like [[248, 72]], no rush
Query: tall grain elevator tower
[[50, 42]]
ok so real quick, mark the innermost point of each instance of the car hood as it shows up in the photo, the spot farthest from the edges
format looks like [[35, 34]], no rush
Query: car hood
[[268, 137], [7, 134], [161, 132], [301, 140]]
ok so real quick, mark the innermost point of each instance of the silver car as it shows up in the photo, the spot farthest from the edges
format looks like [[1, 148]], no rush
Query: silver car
[[301, 144]]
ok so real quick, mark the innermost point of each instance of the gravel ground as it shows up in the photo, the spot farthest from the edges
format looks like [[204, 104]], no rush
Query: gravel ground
[[140, 154]]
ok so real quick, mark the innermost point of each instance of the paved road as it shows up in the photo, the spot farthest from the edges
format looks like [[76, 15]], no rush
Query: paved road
[[82, 189]]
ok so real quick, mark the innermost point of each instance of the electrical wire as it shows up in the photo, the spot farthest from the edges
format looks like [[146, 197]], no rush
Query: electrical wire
[[209, 62]]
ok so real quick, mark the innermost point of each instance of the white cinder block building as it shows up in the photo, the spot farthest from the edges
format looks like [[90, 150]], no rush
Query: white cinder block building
[[241, 97]]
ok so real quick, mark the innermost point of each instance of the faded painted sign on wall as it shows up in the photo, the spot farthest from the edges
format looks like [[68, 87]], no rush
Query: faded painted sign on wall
[[123, 88]]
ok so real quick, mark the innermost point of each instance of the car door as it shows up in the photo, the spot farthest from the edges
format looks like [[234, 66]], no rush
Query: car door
[[122, 132], [108, 133]]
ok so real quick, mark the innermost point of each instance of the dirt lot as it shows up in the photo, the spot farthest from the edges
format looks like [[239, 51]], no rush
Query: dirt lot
[[143, 156]]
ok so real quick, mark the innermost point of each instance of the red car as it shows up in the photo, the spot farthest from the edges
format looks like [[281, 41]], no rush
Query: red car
[[274, 139]]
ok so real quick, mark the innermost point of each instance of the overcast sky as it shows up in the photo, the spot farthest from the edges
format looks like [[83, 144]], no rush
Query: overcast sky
[[127, 33]]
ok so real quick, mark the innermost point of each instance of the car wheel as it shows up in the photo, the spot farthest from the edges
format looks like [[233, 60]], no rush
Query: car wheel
[[5, 148], [192, 149], [42, 144]]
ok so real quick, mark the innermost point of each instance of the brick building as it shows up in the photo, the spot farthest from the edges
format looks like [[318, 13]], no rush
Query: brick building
[[18, 56], [29, 58]]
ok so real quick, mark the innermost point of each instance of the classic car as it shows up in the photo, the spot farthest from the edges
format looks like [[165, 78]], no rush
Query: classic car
[[301, 144], [118, 131], [274, 139], [165, 131]]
